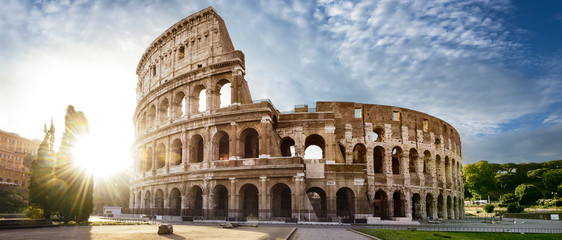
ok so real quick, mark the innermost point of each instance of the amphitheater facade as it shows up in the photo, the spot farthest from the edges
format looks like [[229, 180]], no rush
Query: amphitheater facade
[[201, 155]]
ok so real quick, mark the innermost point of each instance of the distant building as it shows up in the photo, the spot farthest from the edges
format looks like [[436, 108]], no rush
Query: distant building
[[112, 212], [13, 150]]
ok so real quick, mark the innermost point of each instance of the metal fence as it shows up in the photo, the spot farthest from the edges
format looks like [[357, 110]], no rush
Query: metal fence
[[462, 229], [130, 220]]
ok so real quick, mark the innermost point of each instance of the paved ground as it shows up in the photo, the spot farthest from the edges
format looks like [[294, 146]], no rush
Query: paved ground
[[325, 234], [141, 232]]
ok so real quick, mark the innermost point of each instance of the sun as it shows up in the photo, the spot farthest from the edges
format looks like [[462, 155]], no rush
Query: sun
[[90, 156]]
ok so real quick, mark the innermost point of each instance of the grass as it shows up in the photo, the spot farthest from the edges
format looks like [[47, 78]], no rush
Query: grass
[[404, 234]]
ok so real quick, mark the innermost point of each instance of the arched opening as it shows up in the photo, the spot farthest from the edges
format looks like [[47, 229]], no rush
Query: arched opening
[[396, 155], [447, 171], [195, 199], [455, 208], [440, 207], [221, 146], [426, 162], [163, 111], [196, 148], [199, 97], [138, 201], [317, 198], [345, 204], [378, 157], [146, 159], [450, 214], [147, 200], [152, 116], [437, 143], [314, 147], [220, 201], [175, 202], [359, 153], [159, 202], [251, 143], [380, 205], [378, 134], [413, 156], [399, 203], [179, 105], [438, 169], [287, 147], [281, 201], [416, 207], [224, 88], [429, 206], [249, 200], [161, 156], [177, 152], [143, 123]]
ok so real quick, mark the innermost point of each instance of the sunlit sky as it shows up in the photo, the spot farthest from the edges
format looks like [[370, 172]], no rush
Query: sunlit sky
[[492, 69]]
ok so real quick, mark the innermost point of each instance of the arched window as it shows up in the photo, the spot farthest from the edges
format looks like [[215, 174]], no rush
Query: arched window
[[143, 122], [318, 200], [396, 155], [175, 202], [179, 105], [413, 160], [221, 146], [164, 113], [426, 162], [202, 101], [161, 156], [249, 203], [152, 117], [250, 143], [359, 153], [199, 96], [314, 147], [223, 87], [378, 156], [177, 152], [287, 147], [378, 134], [281, 202], [196, 148]]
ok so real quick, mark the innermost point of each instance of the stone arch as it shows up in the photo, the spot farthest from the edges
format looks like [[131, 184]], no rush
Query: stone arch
[[413, 157], [146, 159], [198, 99], [438, 169], [147, 200], [399, 202], [143, 122], [378, 158], [177, 152], [359, 153], [221, 146], [250, 143], [175, 202], [429, 205], [179, 104], [314, 140], [426, 162], [379, 134], [447, 171], [342, 151], [161, 156], [396, 155], [455, 207], [196, 148], [152, 116], [223, 88], [220, 201], [159, 202], [281, 200], [440, 207], [416, 206], [345, 203], [249, 202], [163, 111], [287, 147], [195, 201], [138, 200], [380, 205], [450, 214], [318, 200]]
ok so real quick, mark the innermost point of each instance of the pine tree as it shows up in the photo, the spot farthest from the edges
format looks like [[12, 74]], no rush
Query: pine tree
[[74, 186], [42, 175]]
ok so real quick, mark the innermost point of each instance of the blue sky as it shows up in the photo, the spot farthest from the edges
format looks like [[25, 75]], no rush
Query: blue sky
[[493, 69]]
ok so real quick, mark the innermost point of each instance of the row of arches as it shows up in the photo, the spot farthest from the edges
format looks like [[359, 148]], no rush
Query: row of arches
[[421, 208], [169, 108]]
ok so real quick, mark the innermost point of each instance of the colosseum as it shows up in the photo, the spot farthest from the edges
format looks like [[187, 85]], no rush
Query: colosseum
[[205, 150]]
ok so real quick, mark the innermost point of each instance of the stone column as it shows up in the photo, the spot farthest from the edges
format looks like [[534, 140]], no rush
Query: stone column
[[408, 204], [232, 196], [262, 197]]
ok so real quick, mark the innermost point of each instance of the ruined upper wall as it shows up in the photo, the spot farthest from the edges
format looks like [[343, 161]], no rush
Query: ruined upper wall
[[193, 43]]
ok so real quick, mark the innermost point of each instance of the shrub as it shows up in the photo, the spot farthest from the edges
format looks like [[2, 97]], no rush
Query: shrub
[[33, 212], [508, 198], [489, 208], [528, 194], [514, 208]]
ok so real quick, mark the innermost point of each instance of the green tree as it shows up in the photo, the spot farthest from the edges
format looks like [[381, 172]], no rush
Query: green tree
[[528, 194], [536, 174], [42, 175], [506, 182], [508, 198], [479, 178], [552, 179], [489, 208], [74, 186]]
